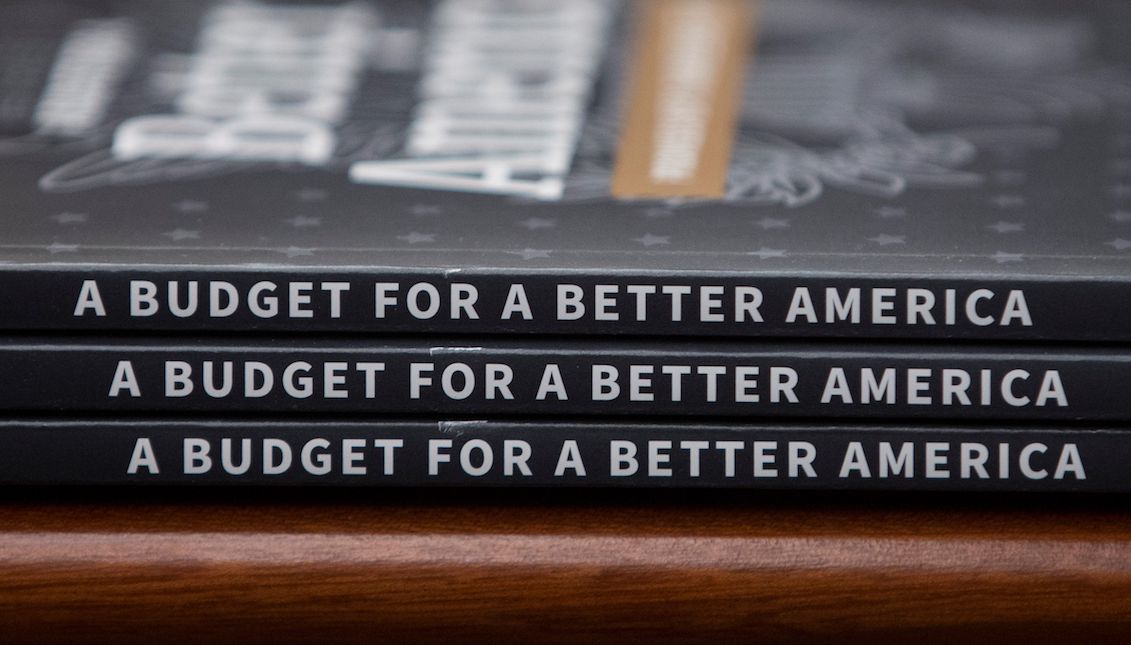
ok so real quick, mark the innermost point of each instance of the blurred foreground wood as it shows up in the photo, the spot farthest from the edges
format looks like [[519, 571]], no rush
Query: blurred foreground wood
[[457, 566]]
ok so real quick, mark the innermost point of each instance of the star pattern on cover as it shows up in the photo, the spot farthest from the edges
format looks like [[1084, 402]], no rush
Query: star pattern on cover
[[425, 210], [533, 226], [418, 238], [767, 253], [310, 194], [531, 254], [304, 221], [1001, 257], [70, 218], [648, 240], [181, 234], [885, 240], [538, 223], [191, 206], [59, 247], [1008, 201], [890, 212], [1007, 227]]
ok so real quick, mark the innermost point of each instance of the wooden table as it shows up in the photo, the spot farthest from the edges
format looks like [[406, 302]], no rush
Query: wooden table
[[336, 565]]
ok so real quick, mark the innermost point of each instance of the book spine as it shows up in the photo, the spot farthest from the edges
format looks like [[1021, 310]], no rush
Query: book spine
[[502, 302], [722, 379], [563, 454]]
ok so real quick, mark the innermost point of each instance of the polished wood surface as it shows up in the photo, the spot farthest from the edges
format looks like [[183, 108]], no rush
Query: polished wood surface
[[461, 566]]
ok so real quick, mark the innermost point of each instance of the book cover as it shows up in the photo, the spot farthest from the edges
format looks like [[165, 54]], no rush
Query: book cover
[[555, 378], [675, 168], [558, 453]]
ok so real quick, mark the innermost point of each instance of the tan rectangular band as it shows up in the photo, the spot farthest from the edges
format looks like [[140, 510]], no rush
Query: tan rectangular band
[[679, 123]]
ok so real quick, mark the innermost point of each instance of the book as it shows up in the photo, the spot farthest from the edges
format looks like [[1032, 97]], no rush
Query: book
[[560, 377], [549, 453], [916, 170]]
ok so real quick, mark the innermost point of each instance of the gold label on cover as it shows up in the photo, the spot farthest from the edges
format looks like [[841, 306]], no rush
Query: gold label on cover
[[679, 123]]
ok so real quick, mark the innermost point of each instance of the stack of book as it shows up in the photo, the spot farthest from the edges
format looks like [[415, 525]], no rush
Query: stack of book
[[800, 244]]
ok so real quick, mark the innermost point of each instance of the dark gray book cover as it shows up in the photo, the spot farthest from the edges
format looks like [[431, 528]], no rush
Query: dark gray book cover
[[919, 169], [555, 378], [518, 453]]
